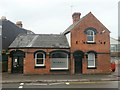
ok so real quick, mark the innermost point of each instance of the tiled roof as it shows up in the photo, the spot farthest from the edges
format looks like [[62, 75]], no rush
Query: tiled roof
[[9, 32], [40, 41]]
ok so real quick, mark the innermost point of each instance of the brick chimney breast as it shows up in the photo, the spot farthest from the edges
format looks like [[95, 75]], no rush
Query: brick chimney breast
[[19, 24], [76, 17]]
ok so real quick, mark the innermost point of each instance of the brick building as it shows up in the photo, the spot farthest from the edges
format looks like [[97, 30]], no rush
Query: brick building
[[8, 32], [83, 48]]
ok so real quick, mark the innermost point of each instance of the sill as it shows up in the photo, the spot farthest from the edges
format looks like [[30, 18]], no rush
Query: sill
[[91, 67], [40, 66], [91, 42], [59, 69]]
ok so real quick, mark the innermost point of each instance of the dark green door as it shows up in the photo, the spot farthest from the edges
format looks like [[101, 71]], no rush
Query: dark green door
[[78, 56], [17, 65], [78, 64], [17, 61]]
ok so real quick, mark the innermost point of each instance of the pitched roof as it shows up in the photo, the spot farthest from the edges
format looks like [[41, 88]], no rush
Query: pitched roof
[[9, 32], [75, 24], [40, 41]]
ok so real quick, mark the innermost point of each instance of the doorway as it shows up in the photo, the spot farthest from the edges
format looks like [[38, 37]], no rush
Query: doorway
[[17, 61], [78, 56]]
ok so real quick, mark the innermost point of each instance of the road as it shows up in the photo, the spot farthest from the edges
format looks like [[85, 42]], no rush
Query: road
[[98, 84]]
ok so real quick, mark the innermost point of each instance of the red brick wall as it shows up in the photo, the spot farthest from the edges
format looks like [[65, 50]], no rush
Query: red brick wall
[[9, 65], [29, 63], [102, 44], [102, 65]]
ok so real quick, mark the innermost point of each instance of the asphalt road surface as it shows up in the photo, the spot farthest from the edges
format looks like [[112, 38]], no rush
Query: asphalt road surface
[[99, 84]]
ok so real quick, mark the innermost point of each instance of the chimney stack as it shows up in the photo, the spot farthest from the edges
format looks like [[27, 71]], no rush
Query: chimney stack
[[76, 17], [19, 24], [3, 18]]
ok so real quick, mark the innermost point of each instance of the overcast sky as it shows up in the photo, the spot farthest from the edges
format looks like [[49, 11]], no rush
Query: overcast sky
[[54, 16]]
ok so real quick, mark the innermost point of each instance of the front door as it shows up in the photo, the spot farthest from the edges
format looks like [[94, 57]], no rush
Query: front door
[[78, 64], [78, 56], [17, 65]]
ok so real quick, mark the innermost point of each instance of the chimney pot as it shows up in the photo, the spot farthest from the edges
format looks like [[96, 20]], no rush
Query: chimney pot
[[76, 17], [19, 24]]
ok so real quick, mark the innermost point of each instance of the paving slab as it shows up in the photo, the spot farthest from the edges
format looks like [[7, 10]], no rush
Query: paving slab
[[17, 78]]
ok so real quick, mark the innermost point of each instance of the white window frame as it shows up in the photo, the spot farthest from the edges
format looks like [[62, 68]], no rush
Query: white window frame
[[91, 35], [61, 68], [93, 60], [39, 58]]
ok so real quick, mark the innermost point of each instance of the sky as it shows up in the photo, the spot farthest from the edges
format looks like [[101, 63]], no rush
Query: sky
[[55, 16]]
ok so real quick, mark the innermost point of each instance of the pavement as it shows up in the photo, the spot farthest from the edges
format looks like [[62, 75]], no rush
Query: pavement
[[18, 78]]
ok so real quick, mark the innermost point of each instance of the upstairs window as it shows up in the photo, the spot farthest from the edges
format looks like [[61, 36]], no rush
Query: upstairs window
[[90, 34]]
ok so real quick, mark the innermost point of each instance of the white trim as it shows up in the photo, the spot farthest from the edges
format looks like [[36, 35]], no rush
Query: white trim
[[91, 41], [62, 68], [39, 58], [92, 36], [68, 36], [93, 60], [59, 68], [91, 66]]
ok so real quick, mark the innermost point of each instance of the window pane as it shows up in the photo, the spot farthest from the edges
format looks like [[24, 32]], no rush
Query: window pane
[[88, 32], [118, 48], [91, 63], [59, 55], [91, 59], [39, 61], [113, 48], [39, 55], [90, 38], [59, 63]]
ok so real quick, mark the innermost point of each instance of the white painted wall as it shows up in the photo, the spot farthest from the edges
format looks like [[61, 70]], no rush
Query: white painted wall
[[68, 35]]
